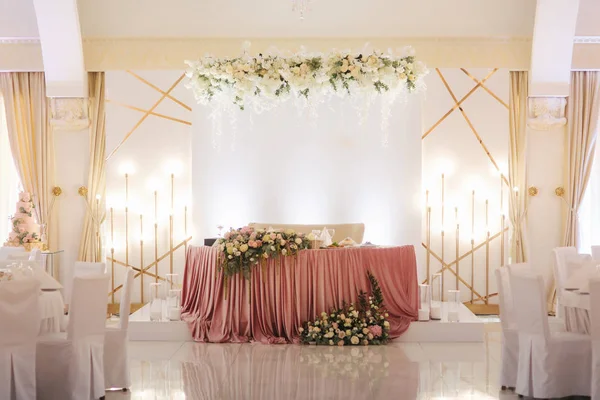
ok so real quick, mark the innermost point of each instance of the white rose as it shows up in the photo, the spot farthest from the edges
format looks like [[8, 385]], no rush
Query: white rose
[[301, 330], [230, 257], [230, 250], [386, 324], [354, 340], [237, 254], [284, 252], [331, 342], [298, 241], [229, 69], [244, 248], [282, 242]]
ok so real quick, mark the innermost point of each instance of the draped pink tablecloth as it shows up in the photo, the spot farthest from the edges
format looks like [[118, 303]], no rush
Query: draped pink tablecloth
[[273, 304]]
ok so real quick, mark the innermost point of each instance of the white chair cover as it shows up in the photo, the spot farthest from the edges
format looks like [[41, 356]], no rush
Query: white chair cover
[[24, 256], [88, 268], [116, 356], [595, 333], [19, 327], [35, 255], [556, 364], [510, 335], [6, 250], [561, 255], [73, 367], [596, 253]]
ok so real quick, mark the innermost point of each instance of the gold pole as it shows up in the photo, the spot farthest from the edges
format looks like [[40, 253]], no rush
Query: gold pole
[[98, 252], [442, 253], [156, 235], [427, 234], [502, 220], [127, 220], [112, 255], [171, 224], [142, 258], [472, 244], [487, 255], [457, 246], [185, 227]]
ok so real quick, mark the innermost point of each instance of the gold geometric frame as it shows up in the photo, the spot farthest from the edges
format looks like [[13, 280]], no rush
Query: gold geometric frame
[[145, 269], [484, 308]]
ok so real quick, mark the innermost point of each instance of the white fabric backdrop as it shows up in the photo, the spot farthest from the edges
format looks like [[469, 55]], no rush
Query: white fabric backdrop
[[9, 180], [288, 167]]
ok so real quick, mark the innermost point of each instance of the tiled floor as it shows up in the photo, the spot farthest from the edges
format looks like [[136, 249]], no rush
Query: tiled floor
[[198, 371]]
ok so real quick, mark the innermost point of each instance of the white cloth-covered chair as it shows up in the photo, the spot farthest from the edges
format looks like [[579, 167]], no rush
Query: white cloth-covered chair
[[88, 268], [35, 255], [19, 328], [5, 251], [71, 366], [116, 356], [510, 334], [562, 255], [551, 364], [595, 333]]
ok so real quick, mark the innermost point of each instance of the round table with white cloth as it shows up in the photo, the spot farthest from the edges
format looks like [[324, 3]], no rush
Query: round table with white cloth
[[52, 310]]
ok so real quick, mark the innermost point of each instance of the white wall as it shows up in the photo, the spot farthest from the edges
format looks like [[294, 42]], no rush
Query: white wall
[[545, 165], [72, 166], [287, 167]]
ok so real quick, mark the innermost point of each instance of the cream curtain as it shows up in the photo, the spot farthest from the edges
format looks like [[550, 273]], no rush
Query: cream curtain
[[517, 164], [583, 111], [90, 246], [9, 180], [31, 140]]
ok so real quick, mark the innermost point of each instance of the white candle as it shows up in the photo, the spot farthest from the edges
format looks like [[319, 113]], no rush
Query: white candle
[[452, 316], [436, 311], [174, 313]]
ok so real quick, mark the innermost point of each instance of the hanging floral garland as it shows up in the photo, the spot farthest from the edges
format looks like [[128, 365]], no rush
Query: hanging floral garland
[[264, 81]]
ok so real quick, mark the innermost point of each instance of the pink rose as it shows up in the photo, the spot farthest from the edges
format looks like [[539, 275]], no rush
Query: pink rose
[[25, 197], [375, 330], [252, 244], [273, 236], [227, 235], [259, 243], [334, 325]]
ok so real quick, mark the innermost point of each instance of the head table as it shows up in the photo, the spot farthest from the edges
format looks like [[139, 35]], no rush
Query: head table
[[279, 296]]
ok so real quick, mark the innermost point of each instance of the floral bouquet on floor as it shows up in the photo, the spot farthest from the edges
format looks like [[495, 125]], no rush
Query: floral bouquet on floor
[[244, 248], [362, 323]]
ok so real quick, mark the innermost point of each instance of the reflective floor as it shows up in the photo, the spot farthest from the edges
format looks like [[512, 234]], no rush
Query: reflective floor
[[198, 371]]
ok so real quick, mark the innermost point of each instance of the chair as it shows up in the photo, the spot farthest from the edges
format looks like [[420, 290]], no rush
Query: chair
[[88, 268], [5, 251], [116, 357], [72, 367], [510, 335], [595, 333], [551, 364], [19, 328], [35, 255], [561, 256]]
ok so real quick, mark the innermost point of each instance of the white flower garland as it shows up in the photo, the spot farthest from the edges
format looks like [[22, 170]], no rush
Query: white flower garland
[[264, 81]]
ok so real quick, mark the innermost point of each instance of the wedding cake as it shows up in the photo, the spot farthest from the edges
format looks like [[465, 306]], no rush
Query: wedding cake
[[25, 232]]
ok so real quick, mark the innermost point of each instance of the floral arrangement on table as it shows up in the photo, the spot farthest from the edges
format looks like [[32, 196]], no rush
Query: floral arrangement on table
[[244, 248], [363, 323], [266, 80]]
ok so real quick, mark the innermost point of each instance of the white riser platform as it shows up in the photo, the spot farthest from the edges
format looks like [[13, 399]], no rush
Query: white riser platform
[[469, 329], [141, 328]]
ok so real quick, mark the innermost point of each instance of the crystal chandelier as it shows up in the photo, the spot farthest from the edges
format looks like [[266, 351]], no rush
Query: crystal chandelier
[[301, 6]]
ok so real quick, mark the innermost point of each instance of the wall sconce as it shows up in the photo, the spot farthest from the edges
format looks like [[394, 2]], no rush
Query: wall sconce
[[82, 191], [559, 191], [533, 191], [56, 191]]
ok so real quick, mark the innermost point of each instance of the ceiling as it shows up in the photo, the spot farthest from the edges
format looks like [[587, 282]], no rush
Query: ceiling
[[275, 18]]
